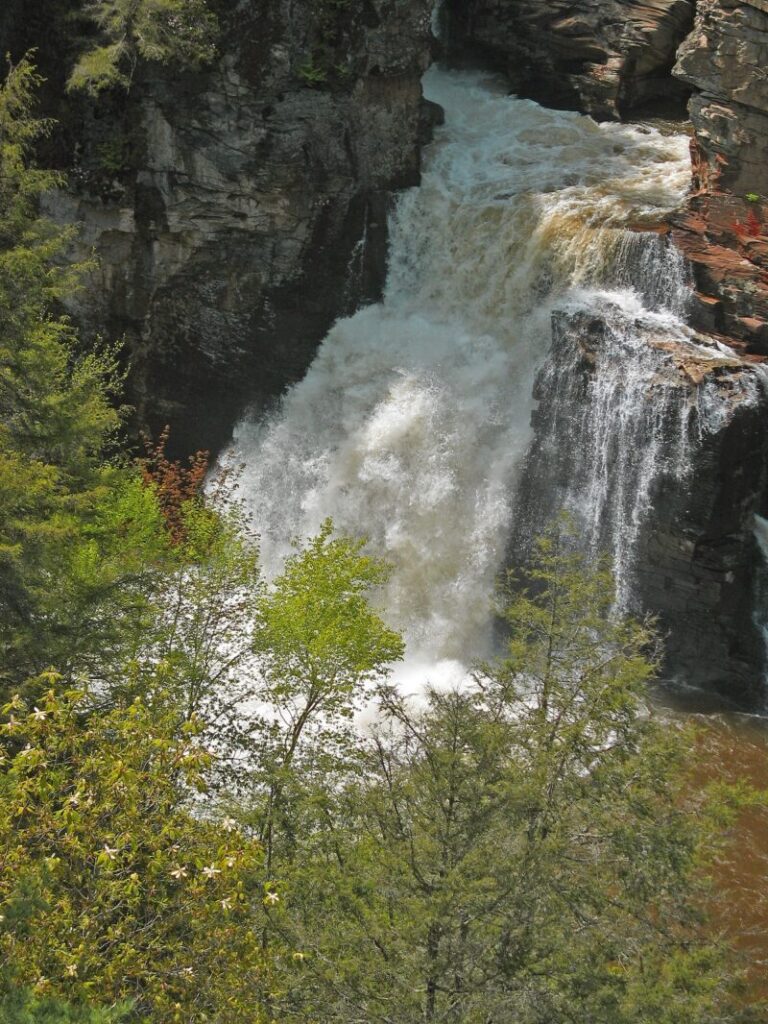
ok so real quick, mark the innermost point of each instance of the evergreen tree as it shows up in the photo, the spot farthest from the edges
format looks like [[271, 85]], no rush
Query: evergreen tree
[[520, 850], [83, 542], [178, 31]]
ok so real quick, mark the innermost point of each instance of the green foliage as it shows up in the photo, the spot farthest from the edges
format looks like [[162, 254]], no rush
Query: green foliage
[[112, 887], [519, 850], [20, 1006], [318, 635], [328, 58], [165, 31], [321, 650], [312, 74], [56, 405]]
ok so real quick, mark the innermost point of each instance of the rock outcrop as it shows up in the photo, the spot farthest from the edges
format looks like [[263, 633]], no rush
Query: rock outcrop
[[235, 212], [656, 443], [724, 230], [604, 57]]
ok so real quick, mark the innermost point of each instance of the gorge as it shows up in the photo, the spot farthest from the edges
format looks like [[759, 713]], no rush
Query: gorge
[[237, 211], [533, 228]]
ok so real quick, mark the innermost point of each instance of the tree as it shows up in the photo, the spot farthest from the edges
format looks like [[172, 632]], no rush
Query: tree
[[520, 850], [56, 411], [321, 650], [165, 31], [113, 887], [83, 542], [20, 1006]]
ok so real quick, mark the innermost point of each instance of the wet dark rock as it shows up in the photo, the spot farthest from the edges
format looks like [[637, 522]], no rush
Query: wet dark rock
[[694, 560], [604, 57], [237, 211]]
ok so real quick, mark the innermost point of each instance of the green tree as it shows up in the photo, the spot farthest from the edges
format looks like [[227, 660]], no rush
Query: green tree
[[83, 544], [520, 850], [321, 650], [113, 886], [20, 1006], [165, 31], [56, 413]]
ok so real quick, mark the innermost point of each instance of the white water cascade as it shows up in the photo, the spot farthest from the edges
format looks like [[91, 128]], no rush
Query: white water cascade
[[412, 423]]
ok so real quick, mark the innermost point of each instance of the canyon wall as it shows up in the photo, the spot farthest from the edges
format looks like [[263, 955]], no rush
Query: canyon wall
[[655, 441], [236, 211], [724, 231]]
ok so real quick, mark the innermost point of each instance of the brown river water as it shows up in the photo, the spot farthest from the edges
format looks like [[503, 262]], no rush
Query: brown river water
[[734, 747]]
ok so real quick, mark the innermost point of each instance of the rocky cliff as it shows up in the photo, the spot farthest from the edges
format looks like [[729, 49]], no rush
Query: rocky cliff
[[670, 491], [235, 212], [605, 57], [724, 230]]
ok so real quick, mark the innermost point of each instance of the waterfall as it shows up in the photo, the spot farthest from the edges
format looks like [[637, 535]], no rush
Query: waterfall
[[412, 425]]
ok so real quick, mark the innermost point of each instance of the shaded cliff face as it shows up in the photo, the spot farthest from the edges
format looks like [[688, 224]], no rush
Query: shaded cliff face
[[724, 230], [652, 437], [237, 211], [603, 57]]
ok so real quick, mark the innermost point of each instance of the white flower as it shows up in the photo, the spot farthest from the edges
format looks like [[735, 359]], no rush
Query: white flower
[[211, 871], [179, 872], [226, 904], [71, 970], [230, 862], [38, 715], [272, 898], [229, 824], [188, 970], [74, 800], [111, 851]]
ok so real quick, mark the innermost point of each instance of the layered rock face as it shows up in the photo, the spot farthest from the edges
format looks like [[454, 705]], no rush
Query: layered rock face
[[655, 441], [724, 231], [604, 57], [235, 212]]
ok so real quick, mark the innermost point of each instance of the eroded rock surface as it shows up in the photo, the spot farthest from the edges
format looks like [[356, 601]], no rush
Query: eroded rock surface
[[604, 57], [235, 212], [724, 230]]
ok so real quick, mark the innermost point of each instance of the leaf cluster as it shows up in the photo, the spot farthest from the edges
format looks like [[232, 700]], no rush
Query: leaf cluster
[[164, 31]]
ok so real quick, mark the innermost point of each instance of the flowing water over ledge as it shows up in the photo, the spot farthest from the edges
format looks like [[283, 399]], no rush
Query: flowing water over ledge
[[412, 423]]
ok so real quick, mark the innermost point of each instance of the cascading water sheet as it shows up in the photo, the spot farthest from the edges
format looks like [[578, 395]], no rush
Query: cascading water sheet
[[411, 425]]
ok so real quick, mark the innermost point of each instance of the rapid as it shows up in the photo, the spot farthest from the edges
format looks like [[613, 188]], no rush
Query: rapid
[[412, 424]]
